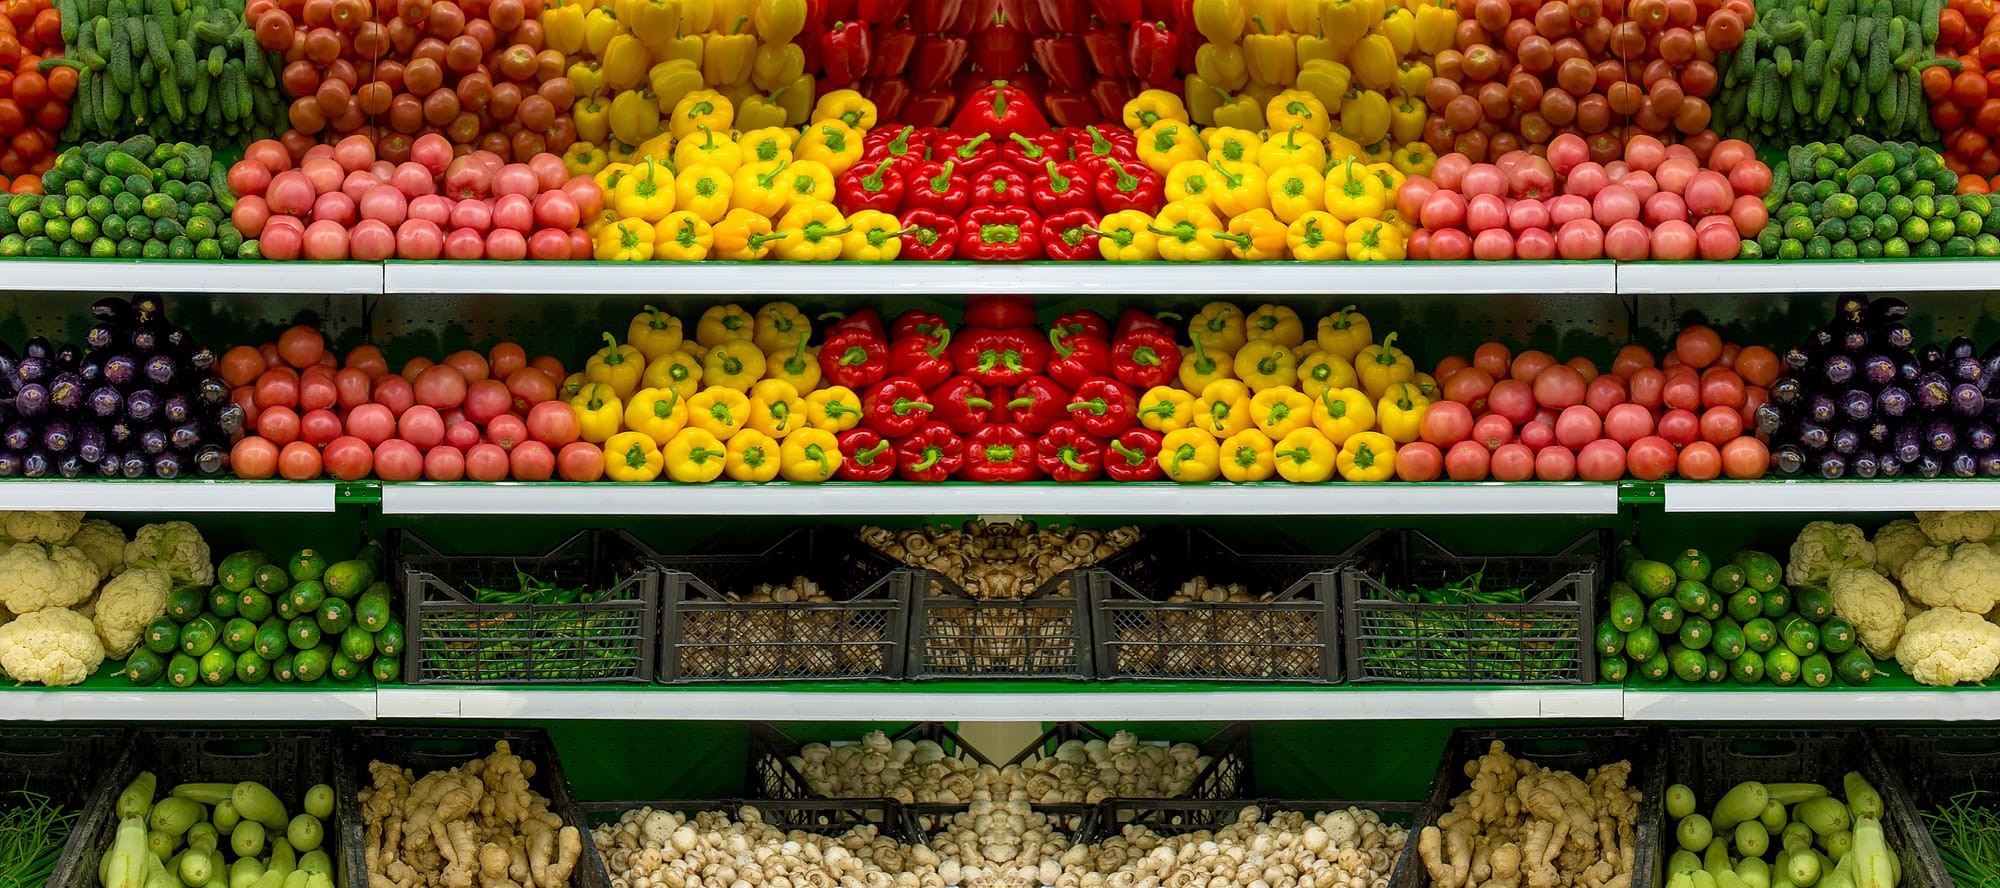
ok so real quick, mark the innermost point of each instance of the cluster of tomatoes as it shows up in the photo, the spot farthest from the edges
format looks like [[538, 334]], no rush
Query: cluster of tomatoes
[[34, 106], [1965, 104]]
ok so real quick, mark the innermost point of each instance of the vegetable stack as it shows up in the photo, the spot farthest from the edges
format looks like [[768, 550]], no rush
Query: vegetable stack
[[190, 69], [34, 105], [1828, 70], [1864, 199], [128, 200], [63, 625], [1782, 833], [1918, 591], [218, 834]]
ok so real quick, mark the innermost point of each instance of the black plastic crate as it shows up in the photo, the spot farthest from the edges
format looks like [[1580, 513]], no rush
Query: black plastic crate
[[827, 817], [707, 636], [455, 640], [1227, 776], [772, 776], [1575, 750], [1711, 760], [423, 750], [1545, 640], [1045, 635], [62, 764], [1077, 822], [1171, 817], [288, 761], [1295, 636]]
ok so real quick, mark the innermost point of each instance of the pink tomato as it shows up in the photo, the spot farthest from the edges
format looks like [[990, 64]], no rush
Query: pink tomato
[[1614, 204], [1559, 387], [1410, 198], [394, 392], [419, 240], [1449, 172], [1467, 461], [1603, 393], [1674, 173], [1567, 152], [1750, 177], [1580, 239], [1450, 244], [1513, 399], [486, 462], [1484, 178], [413, 180], [247, 177], [1718, 243], [487, 399], [1578, 425], [1642, 183], [1446, 423], [549, 245], [1532, 177], [1443, 209], [1679, 426], [1492, 430], [1627, 240], [468, 177], [473, 214], [432, 207], [1648, 387], [421, 425], [398, 460], [1645, 152], [1628, 422], [1555, 464], [372, 423], [1673, 241], [588, 196], [1747, 211], [372, 241], [1536, 436], [1565, 208], [325, 241], [506, 245], [1708, 194], [463, 244], [385, 204], [549, 172], [1728, 153], [249, 216], [1650, 458], [444, 464], [531, 461], [291, 193], [349, 458], [513, 212], [335, 207], [1535, 245], [507, 430], [1601, 460], [1664, 207], [1493, 245], [1586, 180], [433, 151], [1527, 213], [515, 178], [357, 184], [463, 436], [354, 152], [556, 209], [1513, 462]]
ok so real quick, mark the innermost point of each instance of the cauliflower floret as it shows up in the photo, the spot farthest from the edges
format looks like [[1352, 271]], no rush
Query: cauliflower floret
[[1872, 604], [103, 543], [1964, 577], [1946, 647], [1894, 543], [127, 604], [175, 547], [40, 527], [35, 577], [58, 647], [1958, 527], [1824, 547]]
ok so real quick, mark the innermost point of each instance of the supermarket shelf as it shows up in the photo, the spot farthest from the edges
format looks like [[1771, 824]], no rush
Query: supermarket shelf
[[130, 276], [1879, 276], [1046, 702], [1832, 496], [1000, 499], [273, 704], [1835, 704], [168, 496], [951, 278]]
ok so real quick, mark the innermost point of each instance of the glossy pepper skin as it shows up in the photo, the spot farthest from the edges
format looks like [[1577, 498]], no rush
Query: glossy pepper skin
[[1367, 456], [1038, 403], [1000, 453], [632, 456], [930, 454], [1000, 234], [999, 109], [938, 187], [877, 187], [922, 358], [854, 358], [1078, 357], [1000, 185], [1104, 407], [1072, 236], [929, 236], [1066, 187], [846, 51], [1133, 456], [865, 456], [895, 407], [963, 404], [1082, 322], [1305, 457], [834, 409], [1153, 53], [1000, 357], [1068, 454], [1145, 358], [1190, 456], [809, 456]]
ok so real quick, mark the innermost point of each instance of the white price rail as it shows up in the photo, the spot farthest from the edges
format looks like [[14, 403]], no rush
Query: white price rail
[[170, 704], [1875, 495], [167, 496], [153, 276]]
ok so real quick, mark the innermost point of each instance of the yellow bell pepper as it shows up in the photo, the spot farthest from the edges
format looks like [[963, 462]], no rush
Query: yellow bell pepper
[[1271, 53], [744, 236], [1390, 177], [687, 46], [1345, 333], [1303, 15], [1373, 62], [657, 413], [1276, 322], [631, 456], [1220, 21], [1185, 229], [877, 237], [660, 147], [832, 144], [834, 408], [1271, 11], [1212, 105], [1199, 367], [720, 411], [694, 456], [1239, 188], [634, 116], [1223, 408], [1296, 191], [788, 105], [809, 456], [815, 227], [1246, 457], [1266, 363], [1317, 236], [1367, 456], [599, 26], [760, 188], [1221, 323], [1221, 65], [797, 365], [727, 56], [779, 325], [627, 240], [1305, 456], [572, 386], [562, 26], [654, 333], [682, 237], [1399, 25], [1322, 370], [1415, 159], [678, 370], [701, 108], [737, 364], [1436, 27], [616, 365], [1341, 413], [1192, 180], [654, 22], [723, 323], [1295, 109], [1127, 236], [673, 81], [719, 153], [778, 21], [776, 408], [1364, 115], [587, 76], [847, 106], [1373, 240], [752, 456], [1327, 81], [1165, 409], [1353, 193], [625, 62], [1152, 106], [1280, 410], [1190, 456], [704, 191], [777, 65], [647, 193], [592, 116], [1426, 386], [1401, 412], [583, 159], [1294, 149], [1255, 236], [1167, 144], [1382, 365], [599, 412], [607, 179], [768, 143], [1412, 76]]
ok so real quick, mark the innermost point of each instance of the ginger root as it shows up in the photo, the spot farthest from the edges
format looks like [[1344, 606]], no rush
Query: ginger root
[[479, 825], [1519, 825]]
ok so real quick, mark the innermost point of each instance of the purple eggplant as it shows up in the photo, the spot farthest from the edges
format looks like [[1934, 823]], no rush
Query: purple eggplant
[[1989, 465], [1789, 459], [1931, 355], [1933, 392], [201, 358], [1896, 336], [10, 376], [1856, 404], [36, 464], [110, 466], [167, 465], [210, 459], [1822, 339], [142, 404], [1908, 369], [1909, 443], [177, 408], [135, 465], [1966, 399], [92, 368], [1892, 468], [1853, 339], [1877, 432], [161, 368], [1888, 308], [105, 402], [1814, 436], [175, 339], [1832, 465], [152, 441], [90, 443], [1845, 440], [71, 466], [121, 370], [101, 336], [1852, 308], [56, 437], [19, 436], [146, 338], [1864, 464], [66, 392], [1797, 358], [184, 436], [1962, 463], [1838, 369], [229, 419], [1981, 436], [1822, 408], [113, 309], [67, 356], [1893, 401], [33, 368], [1960, 347], [38, 347], [10, 464], [212, 391], [1787, 392], [1966, 370], [1769, 419], [121, 431], [1940, 436], [32, 400], [1878, 369], [149, 307]]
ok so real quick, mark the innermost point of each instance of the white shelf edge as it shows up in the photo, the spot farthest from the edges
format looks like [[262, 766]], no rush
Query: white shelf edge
[[193, 705], [999, 499], [1819, 705], [167, 496], [152, 276], [1890, 276], [1820, 496]]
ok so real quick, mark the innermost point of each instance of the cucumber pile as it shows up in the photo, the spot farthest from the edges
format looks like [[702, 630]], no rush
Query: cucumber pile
[[1704, 621], [300, 620], [220, 834], [1863, 199], [136, 199], [1796, 834], [168, 68], [1822, 69]]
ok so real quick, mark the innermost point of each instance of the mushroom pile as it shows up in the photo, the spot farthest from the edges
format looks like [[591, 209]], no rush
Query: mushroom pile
[[1000, 560], [821, 638], [1249, 642], [1075, 772]]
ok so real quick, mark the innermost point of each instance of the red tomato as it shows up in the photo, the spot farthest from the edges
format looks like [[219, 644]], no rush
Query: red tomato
[[1492, 430], [1721, 387], [441, 387], [416, 366], [1753, 398], [486, 399], [299, 461], [395, 393], [1469, 387], [301, 346], [486, 462], [462, 435], [254, 458], [1513, 399], [550, 365], [422, 426], [240, 365], [349, 458], [278, 387], [529, 387], [1578, 425], [1627, 423], [1444, 424], [444, 464], [505, 358], [351, 388], [580, 461], [1513, 462], [1584, 366], [318, 427], [554, 423], [1418, 461], [1494, 358], [1632, 359], [1604, 393], [1745, 458], [1698, 345], [470, 363], [532, 461], [1601, 460], [1646, 387], [1449, 367], [507, 430], [372, 423], [1537, 435], [1559, 386], [1699, 461], [1529, 363], [1720, 425], [1682, 390], [1650, 458], [317, 390], [1555, 464], [367, 359], [1680, 427], [1467, 461]]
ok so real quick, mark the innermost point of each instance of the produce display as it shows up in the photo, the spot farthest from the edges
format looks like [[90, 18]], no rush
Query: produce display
[[1000, 561], [1964, 828], [922, 772], [1810, 71], [1521, 821], [1915, 591], [1870, 200], [127, 200], [216, 833], [33, 830], [1800, 833], [1958, 98], [478, 820], [169, 70], [34, 106]]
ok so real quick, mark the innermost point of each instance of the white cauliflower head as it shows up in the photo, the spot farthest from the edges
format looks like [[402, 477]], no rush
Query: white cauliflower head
[[35, 577], [1964, 577], [40, 527], [1894, 543], [58, 647], [1823, 547], [1959, 527], [103, 543], [1945, 647], [1871, 604], [175, 547], [127, 604]]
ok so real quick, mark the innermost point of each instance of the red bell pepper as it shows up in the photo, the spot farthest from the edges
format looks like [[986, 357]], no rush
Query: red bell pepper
[[1063, 16], [903, 143], [893, 46], [929, 236], [1000, 108], [1078, 358], [1104, 407], [932, 453], [1072, 236], [1067, 454], [1000, 234], [1000, 185], [936, 16], [880, 188], [866, 320], [1132, 320], [1154, 52], [1000, 312], [823, 11], [1134, 456], [921, 358], [845, 53], [937, 187], [889, 95], [1111, 96], [1038, 403], [1107, 45], [914, 323], [1000, 357], [1095, 145], [1000, 49], [895, 407], [1064, 60], [881, 11], [1000, 453], [1117, 12], [935, 59], [1085, 322], [1134, 187], [865, 456], [1145, 358], [1024, 153], [973, 15], [1066, 188], [1165, 9], [1026, 15], [963, 404], [930, 108], [854, 358], [971, 154]]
